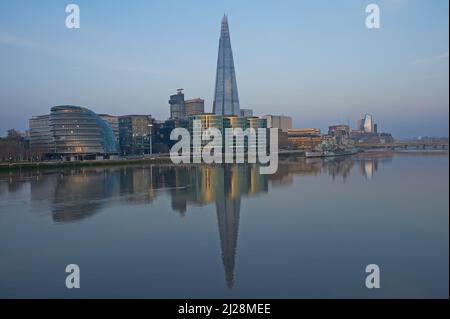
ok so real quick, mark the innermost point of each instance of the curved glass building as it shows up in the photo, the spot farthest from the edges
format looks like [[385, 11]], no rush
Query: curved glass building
[[77, 131]]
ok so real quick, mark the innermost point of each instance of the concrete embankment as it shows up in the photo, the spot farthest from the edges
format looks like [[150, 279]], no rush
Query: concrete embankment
[[54, 164], [163, 159]]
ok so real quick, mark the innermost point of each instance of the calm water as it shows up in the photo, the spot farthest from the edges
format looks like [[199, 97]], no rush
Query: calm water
[[210, 231]]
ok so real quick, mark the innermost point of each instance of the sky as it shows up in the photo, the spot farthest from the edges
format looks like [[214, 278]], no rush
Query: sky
[[313, 60]]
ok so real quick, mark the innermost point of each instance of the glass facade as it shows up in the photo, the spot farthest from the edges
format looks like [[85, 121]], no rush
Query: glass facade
[[226, 100], [368, 123], [177, 110], [235, 122], [256, 122], [41, 138], [135, 134], [113, 122], [79, 131]]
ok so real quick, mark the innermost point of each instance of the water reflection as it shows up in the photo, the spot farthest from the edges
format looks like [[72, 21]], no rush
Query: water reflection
[[76, 194]]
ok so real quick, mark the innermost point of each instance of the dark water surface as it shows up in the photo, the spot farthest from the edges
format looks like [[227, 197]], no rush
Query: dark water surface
[[228, 232]]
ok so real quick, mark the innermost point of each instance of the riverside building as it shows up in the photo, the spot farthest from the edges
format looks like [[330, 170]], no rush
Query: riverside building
[[72, 133]]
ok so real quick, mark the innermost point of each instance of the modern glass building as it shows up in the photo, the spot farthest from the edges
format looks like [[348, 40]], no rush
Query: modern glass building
[[233, 121], [226, 100], [176, 102], [78, 132], [135, 134], [256, 122], [113, 122], [368, 123], [246, 112], [41, 138], [206, 121], [222, 123]]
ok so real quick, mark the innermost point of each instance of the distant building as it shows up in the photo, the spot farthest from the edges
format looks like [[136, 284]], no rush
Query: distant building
[[233, 121], [359, 125], [72, 133], [283, 140], [41, 138], [339, 133], [177, 106], [181, 108], [366, 124], [304, 138], [246, 112], [226, 99], [304, 132], [194, 107], [367, 132], [161, 135], [385, 138], [256, 122], [135, 134], [209, 120], [282, 122]]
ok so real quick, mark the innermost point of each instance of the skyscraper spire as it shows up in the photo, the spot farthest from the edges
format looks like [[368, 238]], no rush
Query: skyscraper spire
[[226, 100]]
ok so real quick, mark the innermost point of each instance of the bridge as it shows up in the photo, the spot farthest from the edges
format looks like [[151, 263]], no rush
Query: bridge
[[443, 145]]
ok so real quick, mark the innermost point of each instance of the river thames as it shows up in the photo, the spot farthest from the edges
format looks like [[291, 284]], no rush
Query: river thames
[[166, 231]]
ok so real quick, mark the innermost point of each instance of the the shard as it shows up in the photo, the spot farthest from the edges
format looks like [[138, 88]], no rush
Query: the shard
[[226, 100]]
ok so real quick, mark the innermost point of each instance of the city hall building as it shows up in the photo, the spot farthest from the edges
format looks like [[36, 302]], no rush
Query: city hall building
[[72, 133]]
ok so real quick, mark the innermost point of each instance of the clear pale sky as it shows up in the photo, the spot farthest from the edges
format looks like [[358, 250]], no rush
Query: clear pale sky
[[313, 60]]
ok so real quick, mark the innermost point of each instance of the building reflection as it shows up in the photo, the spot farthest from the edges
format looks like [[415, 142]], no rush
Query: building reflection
[[77, 194], [367, 167]]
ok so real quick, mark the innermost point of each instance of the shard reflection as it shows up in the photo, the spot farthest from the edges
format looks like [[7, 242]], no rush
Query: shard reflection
[[77, 194]]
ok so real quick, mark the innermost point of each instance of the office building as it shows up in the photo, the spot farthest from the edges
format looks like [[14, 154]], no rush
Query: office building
[[359, 125], [221, 123], [304, 138], [194, 107], [226, 100], [366, 124], [282, 122], [339, 133], [135, 134], [207, 120], [235, 122], [177, 106], [246, 112], [161, 135]]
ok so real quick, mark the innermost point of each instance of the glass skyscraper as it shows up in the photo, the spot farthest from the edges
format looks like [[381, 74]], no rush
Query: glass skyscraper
[[368, 123], [226, 100]]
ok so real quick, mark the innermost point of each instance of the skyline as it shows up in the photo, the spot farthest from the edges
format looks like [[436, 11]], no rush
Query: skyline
[[286, 55]]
